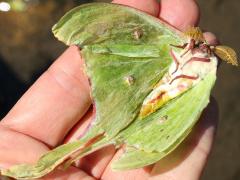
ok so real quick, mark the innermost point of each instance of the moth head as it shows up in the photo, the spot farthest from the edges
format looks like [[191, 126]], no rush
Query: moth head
[[195, 33], [225, 53]]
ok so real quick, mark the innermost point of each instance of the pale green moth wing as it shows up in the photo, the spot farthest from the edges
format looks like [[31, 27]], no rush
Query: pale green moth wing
[[126, 53], [117, 103], [54, 159], [45, 164], [118, 43], [155, 137]]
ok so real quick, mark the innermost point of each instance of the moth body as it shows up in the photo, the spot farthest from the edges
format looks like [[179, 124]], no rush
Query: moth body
[[187, 69]]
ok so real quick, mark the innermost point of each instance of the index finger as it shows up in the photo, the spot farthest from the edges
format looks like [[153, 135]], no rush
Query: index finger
[[180, 13], [55, 102]]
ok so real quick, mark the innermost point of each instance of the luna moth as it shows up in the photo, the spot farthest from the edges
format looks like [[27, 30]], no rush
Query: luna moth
[[149, 83]]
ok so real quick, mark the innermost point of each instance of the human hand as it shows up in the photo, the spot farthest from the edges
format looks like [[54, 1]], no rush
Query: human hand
[[56, 109]]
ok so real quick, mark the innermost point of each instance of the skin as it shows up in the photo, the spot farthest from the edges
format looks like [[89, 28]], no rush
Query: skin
[[57, 108]]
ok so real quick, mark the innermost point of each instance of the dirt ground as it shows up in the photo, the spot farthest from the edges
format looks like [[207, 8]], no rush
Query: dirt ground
[[26, 52]]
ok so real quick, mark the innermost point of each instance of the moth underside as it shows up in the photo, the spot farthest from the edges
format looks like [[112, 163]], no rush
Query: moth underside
[[149, 81]]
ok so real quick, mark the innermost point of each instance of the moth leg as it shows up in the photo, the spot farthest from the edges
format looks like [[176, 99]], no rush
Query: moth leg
[[205, 60], [175, 61], [190, 47], [179, 46]]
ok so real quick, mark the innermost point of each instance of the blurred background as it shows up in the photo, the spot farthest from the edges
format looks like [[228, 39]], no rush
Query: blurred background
[[27, 48]]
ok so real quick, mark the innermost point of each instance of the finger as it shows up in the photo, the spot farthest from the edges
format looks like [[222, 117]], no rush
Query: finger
[[142, 173], [180, 13], [54, 104], [17, 148], [79, 130], [188, 160], [95, 163], [211, 38], [71, 173], [149, 6]]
